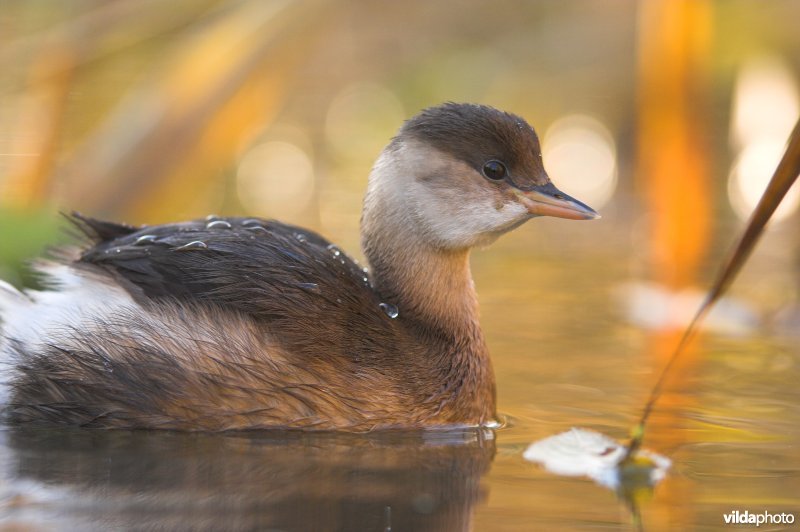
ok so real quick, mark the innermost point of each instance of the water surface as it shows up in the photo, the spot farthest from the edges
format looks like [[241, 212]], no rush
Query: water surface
[[564, 356]]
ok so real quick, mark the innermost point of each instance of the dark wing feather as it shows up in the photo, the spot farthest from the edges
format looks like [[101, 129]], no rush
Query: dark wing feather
[[290, 279], [99, 230]]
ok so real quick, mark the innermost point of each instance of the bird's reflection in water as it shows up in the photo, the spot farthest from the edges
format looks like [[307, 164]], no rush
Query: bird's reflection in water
[[265, 481]]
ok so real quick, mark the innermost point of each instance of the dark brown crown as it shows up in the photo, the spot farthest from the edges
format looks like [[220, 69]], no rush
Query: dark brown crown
[[476, 134]]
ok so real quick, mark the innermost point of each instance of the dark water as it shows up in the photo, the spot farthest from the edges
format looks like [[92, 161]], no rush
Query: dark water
[[77, 479], [563, 356]]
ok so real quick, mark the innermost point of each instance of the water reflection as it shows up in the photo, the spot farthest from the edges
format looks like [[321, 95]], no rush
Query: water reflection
[[265, 481]]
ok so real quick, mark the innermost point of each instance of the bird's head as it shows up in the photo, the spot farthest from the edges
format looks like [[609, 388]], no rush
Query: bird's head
[[460, 175]]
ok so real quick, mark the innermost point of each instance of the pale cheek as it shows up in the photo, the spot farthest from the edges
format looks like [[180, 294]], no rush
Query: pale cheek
[[478, 224]]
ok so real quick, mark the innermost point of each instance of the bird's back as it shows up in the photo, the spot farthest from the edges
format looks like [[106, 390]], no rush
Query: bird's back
[[212, 324]]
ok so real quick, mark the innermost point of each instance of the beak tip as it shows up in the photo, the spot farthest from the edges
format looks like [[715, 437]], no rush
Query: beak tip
[[583, 212], [586, 212], [546, 200]]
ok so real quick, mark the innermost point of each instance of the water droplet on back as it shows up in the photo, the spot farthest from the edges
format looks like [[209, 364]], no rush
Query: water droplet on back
[[218, 224], [390, 310], [196, 244], [334, 250], [145, 239], [300, 237]]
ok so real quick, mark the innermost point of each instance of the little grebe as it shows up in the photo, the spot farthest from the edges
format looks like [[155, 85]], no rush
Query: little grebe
[[243, 323]]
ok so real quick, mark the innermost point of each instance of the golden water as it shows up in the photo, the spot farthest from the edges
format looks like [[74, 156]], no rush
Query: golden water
[[563, 356]]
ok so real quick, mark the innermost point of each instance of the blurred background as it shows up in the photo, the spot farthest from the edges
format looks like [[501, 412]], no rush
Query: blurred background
[[667, 116]]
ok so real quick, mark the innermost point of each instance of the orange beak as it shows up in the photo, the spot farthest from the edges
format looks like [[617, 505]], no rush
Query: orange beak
[[547, 200]]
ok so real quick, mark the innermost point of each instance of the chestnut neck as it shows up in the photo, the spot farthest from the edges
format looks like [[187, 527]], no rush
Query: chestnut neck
[[433, 290], [435, 297], [430, 286]]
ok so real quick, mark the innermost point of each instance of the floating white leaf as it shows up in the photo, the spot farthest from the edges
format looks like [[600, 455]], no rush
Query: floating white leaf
[[581, 452]]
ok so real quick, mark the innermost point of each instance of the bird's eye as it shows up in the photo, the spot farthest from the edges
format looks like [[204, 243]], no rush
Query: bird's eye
[[494, 170]]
